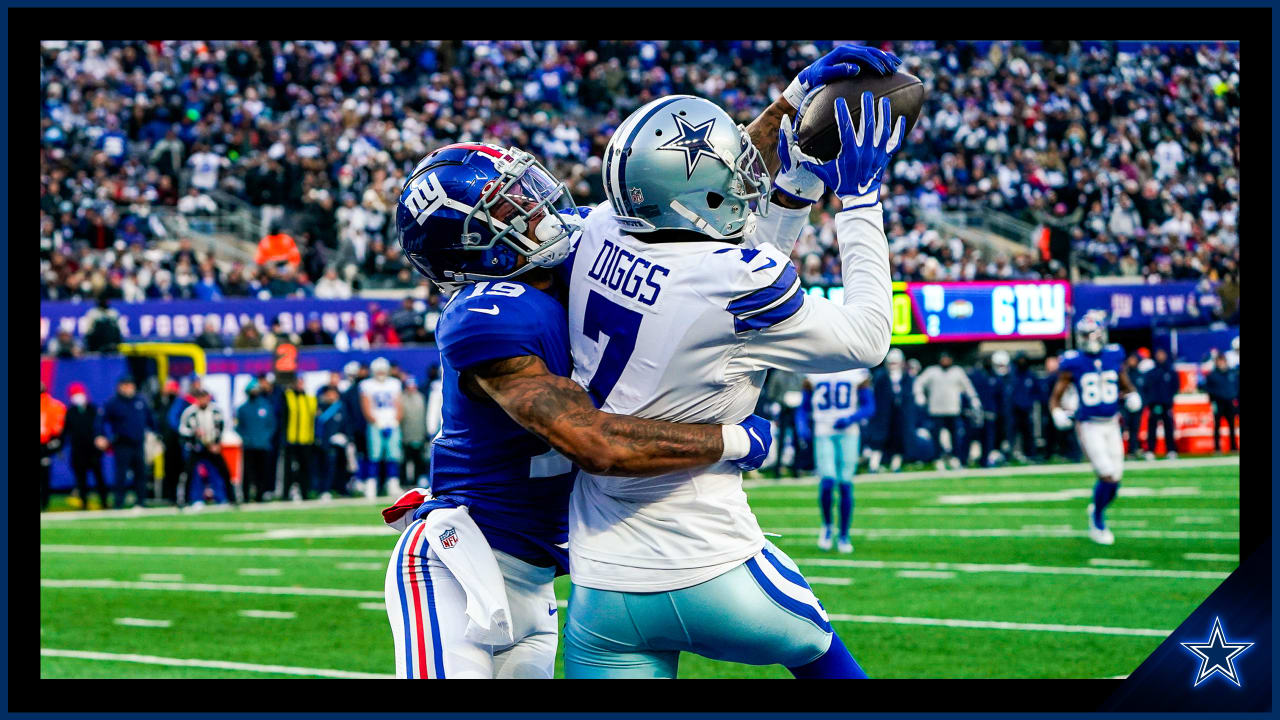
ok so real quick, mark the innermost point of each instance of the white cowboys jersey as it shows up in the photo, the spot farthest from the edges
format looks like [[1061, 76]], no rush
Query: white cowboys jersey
[[685, 331], [835, 396], [382, 395]]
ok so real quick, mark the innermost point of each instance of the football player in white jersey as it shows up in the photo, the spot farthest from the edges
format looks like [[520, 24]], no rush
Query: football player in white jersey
[[839, 403], [676, 314], [380, 401]]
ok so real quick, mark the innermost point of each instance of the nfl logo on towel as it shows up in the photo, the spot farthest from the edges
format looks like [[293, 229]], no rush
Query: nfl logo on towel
[[449, 538]]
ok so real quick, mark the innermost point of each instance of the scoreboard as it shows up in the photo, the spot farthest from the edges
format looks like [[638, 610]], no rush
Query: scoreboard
[[926, 312]]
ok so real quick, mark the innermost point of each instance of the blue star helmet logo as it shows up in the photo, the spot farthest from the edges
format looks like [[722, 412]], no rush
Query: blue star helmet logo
[[1217, 655], [692, 141]]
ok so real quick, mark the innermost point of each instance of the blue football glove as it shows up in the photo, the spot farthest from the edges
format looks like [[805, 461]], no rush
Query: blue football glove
[[844, 61], [855, 174], [760, 435], [842, 423], [793, 179]]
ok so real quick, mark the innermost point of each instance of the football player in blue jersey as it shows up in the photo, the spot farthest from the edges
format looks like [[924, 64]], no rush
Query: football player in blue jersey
[[469, 587], [1097, 372]]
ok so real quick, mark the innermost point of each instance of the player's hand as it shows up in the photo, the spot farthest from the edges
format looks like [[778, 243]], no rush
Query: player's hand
[[794, 180], [1061, 419], [1133, 402], [855, 174], [842, 62], [338, 439], [759, 438], [386, 433], [101, 443]]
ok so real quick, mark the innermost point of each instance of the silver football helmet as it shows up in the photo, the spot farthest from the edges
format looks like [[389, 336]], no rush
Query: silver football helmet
[[1091, 332], [681, 163]]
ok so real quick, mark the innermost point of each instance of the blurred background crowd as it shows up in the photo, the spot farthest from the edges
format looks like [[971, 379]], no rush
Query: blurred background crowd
[[1122, 163]]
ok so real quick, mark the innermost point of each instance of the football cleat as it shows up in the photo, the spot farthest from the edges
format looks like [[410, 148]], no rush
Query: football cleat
[[1102, 536], [824, 539], [844, 546]]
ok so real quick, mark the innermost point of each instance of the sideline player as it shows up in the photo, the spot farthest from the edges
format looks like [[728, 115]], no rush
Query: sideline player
[[840, 402], [1097, 373], [380, 402], [469, 586], [674, 316]]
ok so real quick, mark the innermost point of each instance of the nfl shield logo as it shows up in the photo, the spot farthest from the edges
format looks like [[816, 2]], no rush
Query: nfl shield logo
[[449, 538], [636, 196]]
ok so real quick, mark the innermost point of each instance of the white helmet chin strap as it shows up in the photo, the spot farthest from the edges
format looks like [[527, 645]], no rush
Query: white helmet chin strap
[[702, 225]]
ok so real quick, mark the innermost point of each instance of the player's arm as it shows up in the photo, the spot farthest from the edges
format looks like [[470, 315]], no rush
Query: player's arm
[[366, 407], [1132, 400], [561, 413], [1060, 417]]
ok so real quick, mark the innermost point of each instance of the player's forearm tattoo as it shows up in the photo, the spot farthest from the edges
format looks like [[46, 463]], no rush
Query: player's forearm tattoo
[[560, 412], [763, 132]]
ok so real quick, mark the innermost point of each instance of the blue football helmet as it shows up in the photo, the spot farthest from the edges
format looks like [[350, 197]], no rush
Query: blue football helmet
[[1091, 332], [473, 211]]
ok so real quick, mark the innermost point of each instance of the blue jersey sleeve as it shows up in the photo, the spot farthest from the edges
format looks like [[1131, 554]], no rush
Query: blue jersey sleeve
[[491, 321]]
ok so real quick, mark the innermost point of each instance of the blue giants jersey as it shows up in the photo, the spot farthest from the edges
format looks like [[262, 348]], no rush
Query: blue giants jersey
[[1097, 381], [515, 487]]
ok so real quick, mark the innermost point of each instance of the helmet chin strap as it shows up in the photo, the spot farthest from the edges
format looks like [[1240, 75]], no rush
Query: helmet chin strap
[[702, 225]]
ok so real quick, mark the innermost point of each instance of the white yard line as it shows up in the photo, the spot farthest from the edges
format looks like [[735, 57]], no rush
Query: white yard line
[[987, 512], [362, 566], [1064, 469], [218, 551], [210, 664], [259, 572], [269, 614], [994, 625], [1197, 520], [1061, 495], [142, 622], [1045, 532], [373, 606], [1119, 562], [820, 580], [98, 584], [315, 531], [926, 574], [161, 577], [1212, 557], [1019, 568]]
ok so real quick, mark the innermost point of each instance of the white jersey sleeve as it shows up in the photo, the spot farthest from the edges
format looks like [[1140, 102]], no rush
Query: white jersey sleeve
[[781, 228], [823, 335]]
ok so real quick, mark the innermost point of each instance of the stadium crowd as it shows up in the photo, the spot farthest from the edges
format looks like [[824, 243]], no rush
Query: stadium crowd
[[1133, 155]]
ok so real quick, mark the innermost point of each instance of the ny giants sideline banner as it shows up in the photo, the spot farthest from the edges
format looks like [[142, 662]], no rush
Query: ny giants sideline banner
[[182, 319], [1140, 305]]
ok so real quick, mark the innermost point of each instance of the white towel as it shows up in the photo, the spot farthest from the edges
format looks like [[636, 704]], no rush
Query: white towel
[[465, 551]]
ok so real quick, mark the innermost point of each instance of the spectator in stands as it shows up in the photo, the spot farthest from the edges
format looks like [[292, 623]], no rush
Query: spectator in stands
[[256, 423], [331, 286], [314, 333], [350, 338], [64, 346], [126, 418], [408, 321], [1223, 387], [892, 427], [382, 334], [104, 328], [210, 339], [52, 422], [1161, 384], [248, 338], [943, 386], [299, 440], [85, 444], [201, 426], [278, 246], [413, 432]]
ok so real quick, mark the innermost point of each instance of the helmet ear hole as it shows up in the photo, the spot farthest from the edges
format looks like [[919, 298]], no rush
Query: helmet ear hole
[[714, 200]]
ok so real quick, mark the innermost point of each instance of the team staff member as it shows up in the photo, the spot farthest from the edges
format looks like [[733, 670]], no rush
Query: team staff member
[[413, 432], [1161, 384], [52, 421], [1223, 386], [84, 438], [202, 425], [299, 440], [126, 420], [256, 423], [944, 386]]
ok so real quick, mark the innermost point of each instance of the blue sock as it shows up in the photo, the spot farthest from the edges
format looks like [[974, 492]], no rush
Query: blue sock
[[846, 508], [1103, 493], [393, 469], [824, 499], [836, 662], [367, 469]]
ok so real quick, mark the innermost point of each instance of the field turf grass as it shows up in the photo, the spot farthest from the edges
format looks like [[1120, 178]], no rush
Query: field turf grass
[[952, 575]]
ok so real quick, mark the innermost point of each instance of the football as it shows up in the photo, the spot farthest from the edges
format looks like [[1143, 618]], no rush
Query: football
[[817, 132]]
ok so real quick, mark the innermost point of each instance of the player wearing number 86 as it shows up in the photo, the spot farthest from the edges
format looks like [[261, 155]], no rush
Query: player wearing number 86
[[1097, 372]]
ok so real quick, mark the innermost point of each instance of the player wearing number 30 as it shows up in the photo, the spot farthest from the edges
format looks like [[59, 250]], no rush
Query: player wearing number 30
[[1097, 371], [469, 586], [839, 403], [681, 300]]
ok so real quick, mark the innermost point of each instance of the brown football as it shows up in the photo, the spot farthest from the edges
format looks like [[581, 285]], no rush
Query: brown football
[[817, 132]]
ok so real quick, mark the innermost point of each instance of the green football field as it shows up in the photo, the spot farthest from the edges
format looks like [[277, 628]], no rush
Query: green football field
[[952, 575]]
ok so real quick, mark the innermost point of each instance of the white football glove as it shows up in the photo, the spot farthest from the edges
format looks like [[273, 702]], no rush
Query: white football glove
[[1061, 419], [793, 178], [1133, 402]]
